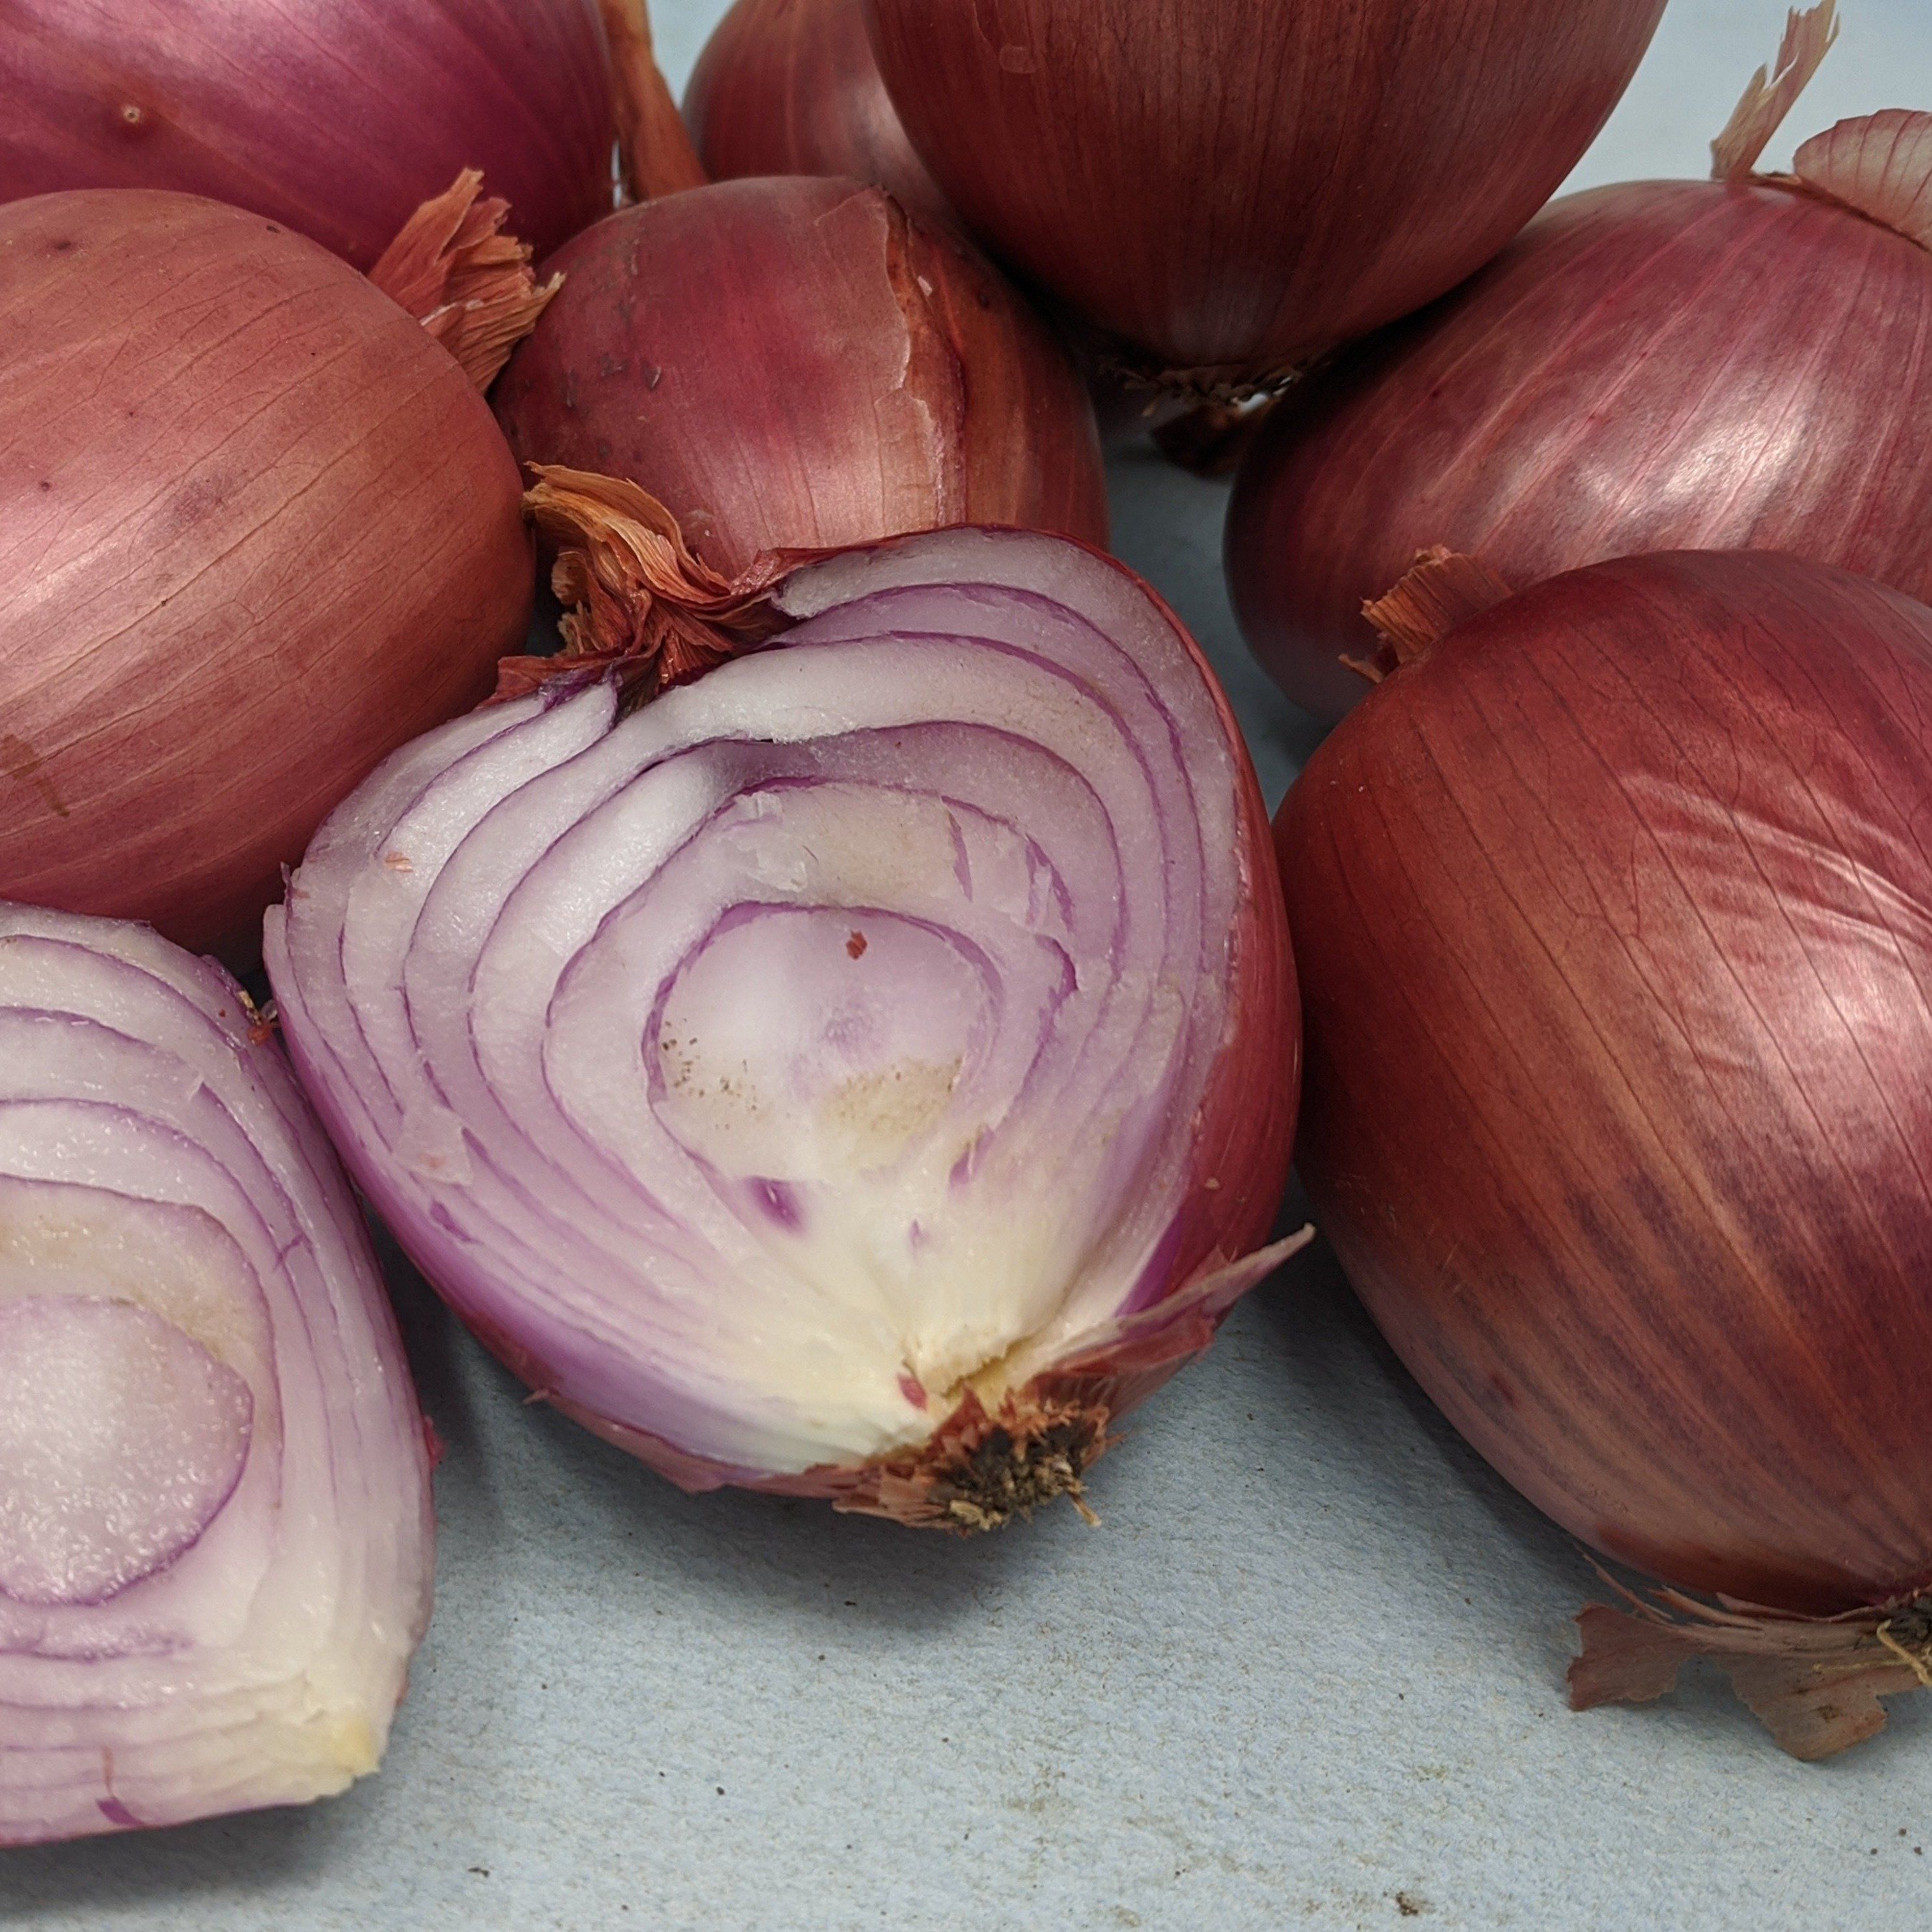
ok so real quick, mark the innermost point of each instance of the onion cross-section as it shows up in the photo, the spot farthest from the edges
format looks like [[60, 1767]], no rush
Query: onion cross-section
[[215, 1535], [861, 1072]]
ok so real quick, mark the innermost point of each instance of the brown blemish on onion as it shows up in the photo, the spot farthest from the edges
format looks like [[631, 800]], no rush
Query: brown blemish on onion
[[20, 761], [855, 946]]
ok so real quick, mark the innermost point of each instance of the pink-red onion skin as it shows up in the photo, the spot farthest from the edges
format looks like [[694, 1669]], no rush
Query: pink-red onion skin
[[335, 117], [1236, 188], [792, 363], [789, 87], [257, 529], [1613, 919], [1662, 365]]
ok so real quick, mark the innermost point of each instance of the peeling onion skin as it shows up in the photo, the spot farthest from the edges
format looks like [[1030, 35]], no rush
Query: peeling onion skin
[[790, 363], [257, 529], [789, 87], [1657, 366], [216, 1538], [1236, 189], [1613, 914], [945, 822], [337, 117]]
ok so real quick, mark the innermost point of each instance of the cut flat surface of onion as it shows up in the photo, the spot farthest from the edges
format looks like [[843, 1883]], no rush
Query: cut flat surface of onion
[[885, 1045], [215, 1536]]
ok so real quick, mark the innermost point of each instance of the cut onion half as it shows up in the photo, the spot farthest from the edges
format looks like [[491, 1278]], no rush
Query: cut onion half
[[861, 1073], [215, 1535]]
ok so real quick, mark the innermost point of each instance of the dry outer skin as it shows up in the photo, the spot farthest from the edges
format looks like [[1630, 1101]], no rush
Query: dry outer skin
[[335, 117], [1574, 401], [1611, 917], [257, 529], [1200, 177], [789, 87], [467, 281], [792, 365]]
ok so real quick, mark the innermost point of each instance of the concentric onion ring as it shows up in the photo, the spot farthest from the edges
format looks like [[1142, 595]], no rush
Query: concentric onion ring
[[215, 1534], [883, 1048]]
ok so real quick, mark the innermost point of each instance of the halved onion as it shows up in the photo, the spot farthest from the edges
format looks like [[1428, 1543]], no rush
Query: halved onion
[[215, 1534], [861, 1073]]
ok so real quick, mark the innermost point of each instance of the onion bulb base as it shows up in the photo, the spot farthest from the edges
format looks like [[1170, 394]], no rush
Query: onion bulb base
[[1815, 1683], [984, 1468]]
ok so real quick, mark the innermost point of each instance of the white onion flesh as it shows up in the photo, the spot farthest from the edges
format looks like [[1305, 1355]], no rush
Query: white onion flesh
[[757, 1070], [215, 1536]]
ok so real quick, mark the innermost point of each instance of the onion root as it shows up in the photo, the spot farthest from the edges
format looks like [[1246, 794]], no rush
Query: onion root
[[1815, 1683]]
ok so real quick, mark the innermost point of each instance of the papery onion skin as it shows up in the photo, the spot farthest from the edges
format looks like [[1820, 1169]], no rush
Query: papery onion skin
[[210, 1596], [1235, 189], [790, 363], [1657, 366], [1613, 913], [833, 762], [789, 87], [256, 529], [336, 118]]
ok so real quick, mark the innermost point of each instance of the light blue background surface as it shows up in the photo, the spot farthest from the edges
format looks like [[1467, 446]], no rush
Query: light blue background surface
[[1308, 1673]]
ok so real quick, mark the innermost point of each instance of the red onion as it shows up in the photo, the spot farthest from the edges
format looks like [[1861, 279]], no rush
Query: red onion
[[335, 117], [863, 1072], [257, 529], [1613, 913], [1733, 364], [789, 363], [1233, 188], [214, 1512], [789, 87]]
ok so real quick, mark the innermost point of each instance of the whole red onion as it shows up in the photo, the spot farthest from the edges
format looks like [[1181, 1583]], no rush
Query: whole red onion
[[256, 529], [789, 87], [1665, 364], [335, 117], [1235, 188], [865, 1072], [215, 1532], [791, 363], [1613, 914]]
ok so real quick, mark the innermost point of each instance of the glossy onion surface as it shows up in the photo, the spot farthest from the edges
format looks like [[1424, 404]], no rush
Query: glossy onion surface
[[336, 117], [257, 529], [1235, 188], [790, 363], [1613, 914]]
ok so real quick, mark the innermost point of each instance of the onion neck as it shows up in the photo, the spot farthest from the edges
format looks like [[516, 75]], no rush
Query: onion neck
[[467, 281], [654, 145], [1441, 589]]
